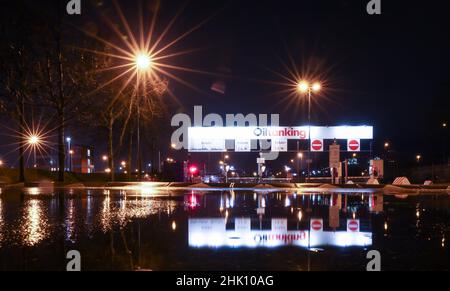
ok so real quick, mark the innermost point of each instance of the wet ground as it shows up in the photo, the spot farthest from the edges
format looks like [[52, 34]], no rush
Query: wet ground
[[221, 230]]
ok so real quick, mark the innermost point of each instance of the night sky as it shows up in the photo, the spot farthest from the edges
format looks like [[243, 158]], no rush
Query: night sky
[[391, 71]]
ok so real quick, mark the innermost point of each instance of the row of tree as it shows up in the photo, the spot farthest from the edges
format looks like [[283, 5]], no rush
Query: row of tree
[[43, 71]]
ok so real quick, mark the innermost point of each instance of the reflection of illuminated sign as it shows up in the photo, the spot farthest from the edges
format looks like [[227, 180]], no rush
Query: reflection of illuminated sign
[[211, 232]]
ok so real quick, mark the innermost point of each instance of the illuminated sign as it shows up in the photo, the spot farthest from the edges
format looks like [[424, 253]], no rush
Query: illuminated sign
[[212, 233], [213, 138]]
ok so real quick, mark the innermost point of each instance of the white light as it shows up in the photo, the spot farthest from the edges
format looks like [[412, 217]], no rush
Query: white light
[[143, 61], [33, 140]]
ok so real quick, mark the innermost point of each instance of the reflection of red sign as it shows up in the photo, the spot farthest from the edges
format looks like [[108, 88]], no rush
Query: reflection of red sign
[[353, 145], [317, 145], [316, 224], [353, 225]]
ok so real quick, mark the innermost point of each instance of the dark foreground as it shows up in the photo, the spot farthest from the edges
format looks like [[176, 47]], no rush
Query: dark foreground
[[229, 230]]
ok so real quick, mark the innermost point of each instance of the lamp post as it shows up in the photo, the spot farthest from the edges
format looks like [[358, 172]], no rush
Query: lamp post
[[33, 141], [68, 139], [305, 87], [143, 63]]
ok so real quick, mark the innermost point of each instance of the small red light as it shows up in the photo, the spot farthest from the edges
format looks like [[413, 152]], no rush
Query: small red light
[[193, 170]]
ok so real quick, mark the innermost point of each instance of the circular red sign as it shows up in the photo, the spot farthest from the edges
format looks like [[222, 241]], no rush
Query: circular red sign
[[353, 225], [316, 225], [317, 145], [353, 145]]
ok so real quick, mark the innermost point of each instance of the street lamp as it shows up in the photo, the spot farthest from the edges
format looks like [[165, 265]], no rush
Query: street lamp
[[33, 141], [143, 63], [69, 140], [305, 87], [105, 158]]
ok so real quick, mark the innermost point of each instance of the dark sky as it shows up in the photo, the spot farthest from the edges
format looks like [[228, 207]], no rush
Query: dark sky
[[391, 71]]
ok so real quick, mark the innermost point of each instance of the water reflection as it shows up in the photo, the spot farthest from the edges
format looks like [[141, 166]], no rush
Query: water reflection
[[126, 229], [33, 225], [277, 219]]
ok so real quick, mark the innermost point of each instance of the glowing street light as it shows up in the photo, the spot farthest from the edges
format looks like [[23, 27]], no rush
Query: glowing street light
[[386, 145], [105, 158], [33, 140], [143, 61]]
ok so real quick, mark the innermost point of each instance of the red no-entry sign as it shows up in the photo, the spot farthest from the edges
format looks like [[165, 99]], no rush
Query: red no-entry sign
[[317, 145], [354, 145]]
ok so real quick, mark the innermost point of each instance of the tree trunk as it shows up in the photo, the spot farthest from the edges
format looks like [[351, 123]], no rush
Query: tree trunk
[[61, 109], [21, 140], [61, 147], [111, 147]]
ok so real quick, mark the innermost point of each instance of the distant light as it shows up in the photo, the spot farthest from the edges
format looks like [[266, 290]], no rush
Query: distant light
[[68, 139], [71, 152], [123, 163], [105, 158], [316, 87], [174, 146], [300, 215], [386, 144], [444, 124], [174, 225], [108, 170], [1, 163], [193, 170], [227, 157], [303, 87], [300, 155]]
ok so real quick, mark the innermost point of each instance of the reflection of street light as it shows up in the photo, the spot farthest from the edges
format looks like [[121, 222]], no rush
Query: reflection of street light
[[305, 87]]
